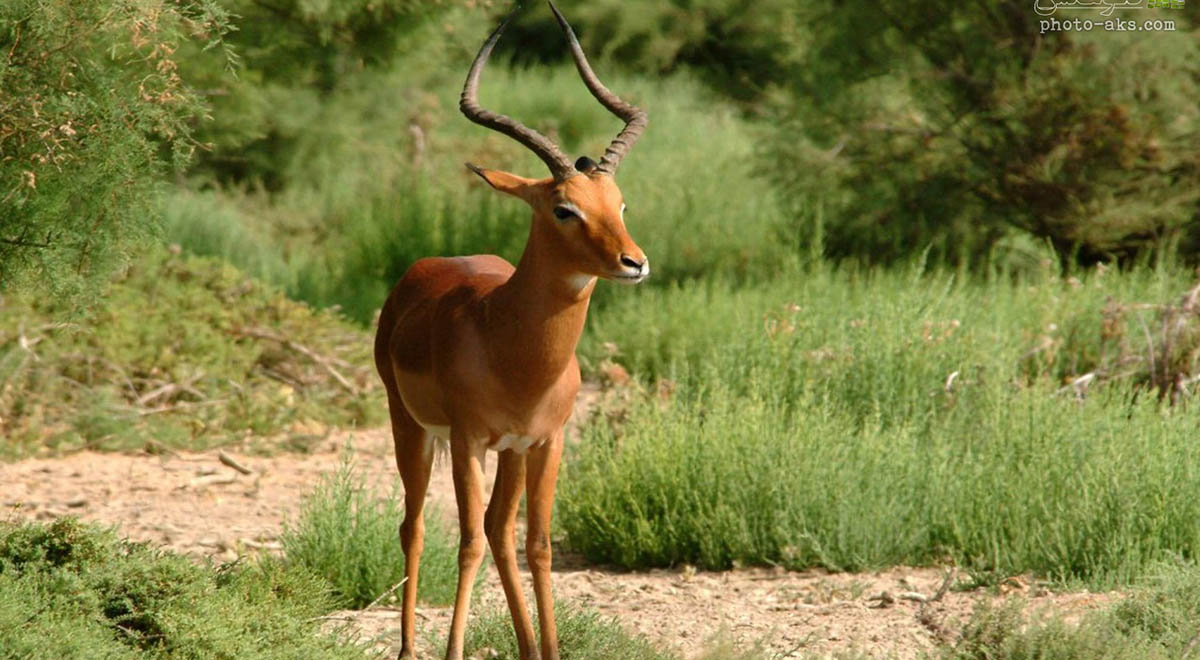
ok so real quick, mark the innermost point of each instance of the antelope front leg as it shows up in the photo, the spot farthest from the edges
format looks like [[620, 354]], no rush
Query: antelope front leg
[[466, 458], [500, 523], [542, 473]]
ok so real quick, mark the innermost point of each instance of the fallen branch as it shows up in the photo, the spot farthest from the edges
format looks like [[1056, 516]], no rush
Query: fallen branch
[[322, 361], [171, 388], [942, 590], [886, 598], [213, 480], [1191, 646], [264, 545], [182, 405], [232, 462]]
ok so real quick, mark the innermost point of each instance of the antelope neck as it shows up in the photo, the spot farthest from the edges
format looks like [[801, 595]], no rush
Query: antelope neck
[[544, 313]]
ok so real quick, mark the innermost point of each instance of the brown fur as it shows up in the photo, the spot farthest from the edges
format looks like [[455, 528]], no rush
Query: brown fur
[[488, 350]]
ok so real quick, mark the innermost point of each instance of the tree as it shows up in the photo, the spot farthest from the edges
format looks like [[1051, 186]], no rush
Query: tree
[[958, 125], [93, 113]]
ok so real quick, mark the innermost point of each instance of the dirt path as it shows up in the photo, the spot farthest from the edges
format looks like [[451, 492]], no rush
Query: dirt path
[[195, 504]]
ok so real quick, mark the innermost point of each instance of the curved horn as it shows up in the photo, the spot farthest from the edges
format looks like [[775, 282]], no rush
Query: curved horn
[[560, 166], [635, 117]]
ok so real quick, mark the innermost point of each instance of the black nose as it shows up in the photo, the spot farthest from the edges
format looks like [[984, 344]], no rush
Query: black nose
[[630, 262]]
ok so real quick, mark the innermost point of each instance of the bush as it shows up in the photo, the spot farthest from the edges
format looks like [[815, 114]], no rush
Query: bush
[[344, 235], [740, 53], [349, 534], [185, 352], [93, 113], [68, 590], [296, 56]]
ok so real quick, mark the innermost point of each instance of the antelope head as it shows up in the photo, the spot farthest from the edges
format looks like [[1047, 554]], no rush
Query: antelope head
[[578, 211]]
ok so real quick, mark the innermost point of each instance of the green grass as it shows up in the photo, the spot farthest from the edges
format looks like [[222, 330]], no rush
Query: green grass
[[69, 591], [1157, 620], [348, 533], [582, 635], [811, 425], [181, 352]]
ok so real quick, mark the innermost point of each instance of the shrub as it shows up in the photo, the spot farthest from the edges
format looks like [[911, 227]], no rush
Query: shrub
[[582, 635], [349, 534], [344, 235], [1155, 621], [297, 55], [740, 53], [185, 352], [93, 113], [69, 590]]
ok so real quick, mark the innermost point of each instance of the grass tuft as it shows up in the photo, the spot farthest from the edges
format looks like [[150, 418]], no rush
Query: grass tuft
[[1156, 620], [582, 635], [348, 533]]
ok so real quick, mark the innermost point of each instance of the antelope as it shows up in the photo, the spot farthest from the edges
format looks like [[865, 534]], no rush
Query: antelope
[[479, 354]]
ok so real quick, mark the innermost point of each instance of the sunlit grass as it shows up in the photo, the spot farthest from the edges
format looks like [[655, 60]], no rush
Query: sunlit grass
[[861, 419], [348, 533]]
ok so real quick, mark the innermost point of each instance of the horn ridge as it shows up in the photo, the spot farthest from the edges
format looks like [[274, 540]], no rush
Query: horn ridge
[[634, 117], [560, 165]]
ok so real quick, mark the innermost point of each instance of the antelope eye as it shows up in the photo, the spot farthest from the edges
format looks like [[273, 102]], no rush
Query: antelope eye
[[564, 213]]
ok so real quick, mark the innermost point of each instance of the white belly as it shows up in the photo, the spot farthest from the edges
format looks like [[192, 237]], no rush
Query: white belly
[[518, 443]]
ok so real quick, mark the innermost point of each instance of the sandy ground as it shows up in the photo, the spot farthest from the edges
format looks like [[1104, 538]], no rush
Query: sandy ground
[[196, 504]]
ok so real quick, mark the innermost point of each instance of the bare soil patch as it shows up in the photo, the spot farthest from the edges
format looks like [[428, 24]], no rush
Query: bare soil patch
[[198, 505]]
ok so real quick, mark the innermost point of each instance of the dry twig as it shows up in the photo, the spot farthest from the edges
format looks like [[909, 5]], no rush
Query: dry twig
[[385, 593], [232, 462], [322, 361]]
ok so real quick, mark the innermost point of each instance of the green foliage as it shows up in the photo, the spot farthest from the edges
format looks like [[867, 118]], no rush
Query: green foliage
[[960, 127], [1156, 621], [316, 43], [582, 635], [741, 53], [860, 419], [296, 56], [349, 534], [73, 591], [184, 352], [93, 113], [344, 235]]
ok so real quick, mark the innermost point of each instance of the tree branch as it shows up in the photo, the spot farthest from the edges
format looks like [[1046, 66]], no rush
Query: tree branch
[[20, 242]]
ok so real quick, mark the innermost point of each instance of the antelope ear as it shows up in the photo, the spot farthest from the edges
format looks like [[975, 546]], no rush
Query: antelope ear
[[517, 186], [586, 165]]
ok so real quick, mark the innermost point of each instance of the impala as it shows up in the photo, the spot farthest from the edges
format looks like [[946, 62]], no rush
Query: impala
[[480, 354]]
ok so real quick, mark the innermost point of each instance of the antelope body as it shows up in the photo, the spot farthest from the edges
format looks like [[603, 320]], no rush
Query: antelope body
[[481, 354]]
